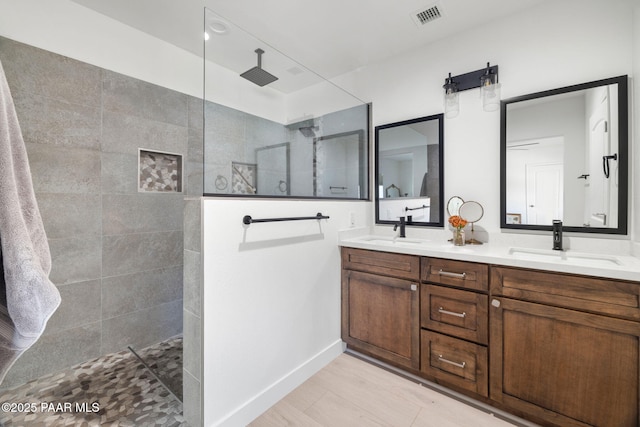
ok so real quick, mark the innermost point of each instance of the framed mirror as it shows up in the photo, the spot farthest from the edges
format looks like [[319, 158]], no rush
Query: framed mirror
[[564, 156], [409, 171]]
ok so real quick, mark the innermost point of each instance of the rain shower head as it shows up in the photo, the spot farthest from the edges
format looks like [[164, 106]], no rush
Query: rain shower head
[[257, 74], [308, 131]]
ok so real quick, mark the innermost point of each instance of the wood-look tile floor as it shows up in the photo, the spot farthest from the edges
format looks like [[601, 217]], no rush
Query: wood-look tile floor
[[353, 392]]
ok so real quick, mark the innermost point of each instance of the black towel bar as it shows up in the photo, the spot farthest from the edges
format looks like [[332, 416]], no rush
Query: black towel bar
[[415, 209], [248, 220]]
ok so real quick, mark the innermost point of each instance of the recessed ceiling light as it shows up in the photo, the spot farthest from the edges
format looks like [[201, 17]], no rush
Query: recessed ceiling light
[[218, 27]]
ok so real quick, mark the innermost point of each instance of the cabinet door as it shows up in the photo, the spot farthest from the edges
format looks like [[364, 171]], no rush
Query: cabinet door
[[380, 317], [565, 367]]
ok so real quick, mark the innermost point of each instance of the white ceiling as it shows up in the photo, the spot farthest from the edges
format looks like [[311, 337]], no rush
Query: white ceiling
[[330, 37]]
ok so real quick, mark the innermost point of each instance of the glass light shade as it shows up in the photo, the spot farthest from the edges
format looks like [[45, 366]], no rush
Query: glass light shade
[[490, 95], [451, 104]]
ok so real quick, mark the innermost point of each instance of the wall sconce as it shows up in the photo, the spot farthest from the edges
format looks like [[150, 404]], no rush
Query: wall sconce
[[486, 79], [451, 101]]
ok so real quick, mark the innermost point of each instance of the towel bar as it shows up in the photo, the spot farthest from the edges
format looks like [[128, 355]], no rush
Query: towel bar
[[248, 220]]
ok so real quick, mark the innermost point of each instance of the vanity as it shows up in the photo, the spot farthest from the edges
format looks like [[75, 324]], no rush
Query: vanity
[[526, 335], [551, 336]]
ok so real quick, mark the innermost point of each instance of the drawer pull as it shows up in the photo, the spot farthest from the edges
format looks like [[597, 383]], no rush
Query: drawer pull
[[452, 313], [459, 365], [450, 274]]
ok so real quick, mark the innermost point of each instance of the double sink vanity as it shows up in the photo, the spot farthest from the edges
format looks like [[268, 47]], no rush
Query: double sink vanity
[[552, 337]]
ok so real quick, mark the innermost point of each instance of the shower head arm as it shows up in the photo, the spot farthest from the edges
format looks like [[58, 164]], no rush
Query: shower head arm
[[259, 52]]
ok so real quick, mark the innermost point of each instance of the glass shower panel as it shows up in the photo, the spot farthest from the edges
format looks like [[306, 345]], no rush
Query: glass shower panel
[[274, 128]]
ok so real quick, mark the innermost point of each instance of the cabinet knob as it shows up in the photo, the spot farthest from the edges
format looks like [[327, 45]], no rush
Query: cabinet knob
[[414, 287], [495, 303]]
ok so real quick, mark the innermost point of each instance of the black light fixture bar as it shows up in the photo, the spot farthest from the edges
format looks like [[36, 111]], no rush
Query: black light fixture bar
[[471, 80]]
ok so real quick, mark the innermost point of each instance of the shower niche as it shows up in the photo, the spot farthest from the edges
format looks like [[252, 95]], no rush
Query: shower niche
[[159, 172], [277, 128]]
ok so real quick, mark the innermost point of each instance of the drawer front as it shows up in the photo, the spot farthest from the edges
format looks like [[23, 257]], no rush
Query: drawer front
[[596, 295], [385, 263], [454, 362], [462, 274], [463, 314]]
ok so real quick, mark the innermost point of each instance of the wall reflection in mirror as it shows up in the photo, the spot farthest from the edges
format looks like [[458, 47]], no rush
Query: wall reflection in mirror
[[409, 171], [565, 157], [274, 128]]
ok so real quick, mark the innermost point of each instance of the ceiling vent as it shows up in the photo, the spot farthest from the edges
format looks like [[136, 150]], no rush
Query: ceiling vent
[[427, 14]]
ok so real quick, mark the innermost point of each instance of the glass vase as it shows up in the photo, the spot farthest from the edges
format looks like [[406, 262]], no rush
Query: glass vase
[[458, 237]]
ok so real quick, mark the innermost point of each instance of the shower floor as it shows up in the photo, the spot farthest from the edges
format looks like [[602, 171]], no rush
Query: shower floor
[[112, 390]]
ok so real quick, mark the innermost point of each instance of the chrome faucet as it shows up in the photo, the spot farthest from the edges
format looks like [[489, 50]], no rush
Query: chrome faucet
[[400, 224], [557, 235]]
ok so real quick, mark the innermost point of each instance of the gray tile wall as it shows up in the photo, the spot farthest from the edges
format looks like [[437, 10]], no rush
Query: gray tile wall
[[192, 361], [117, 254]]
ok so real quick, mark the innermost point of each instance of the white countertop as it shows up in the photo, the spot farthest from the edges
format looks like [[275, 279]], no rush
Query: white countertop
[[590, 264]]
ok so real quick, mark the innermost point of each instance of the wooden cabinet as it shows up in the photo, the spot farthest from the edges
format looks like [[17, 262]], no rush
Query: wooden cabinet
[[380, 312], [454, 323], [568, 356], [562, 350]]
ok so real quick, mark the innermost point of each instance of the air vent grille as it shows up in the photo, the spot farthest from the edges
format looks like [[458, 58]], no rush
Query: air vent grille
[[426, 15]]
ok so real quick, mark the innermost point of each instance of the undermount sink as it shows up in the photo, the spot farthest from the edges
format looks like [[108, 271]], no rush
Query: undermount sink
[[394, 241], [577, 258]]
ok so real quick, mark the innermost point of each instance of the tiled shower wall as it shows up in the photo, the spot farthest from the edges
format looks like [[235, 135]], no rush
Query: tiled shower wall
[[117, 253]]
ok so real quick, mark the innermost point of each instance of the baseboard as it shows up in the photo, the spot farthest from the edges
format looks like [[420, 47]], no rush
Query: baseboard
[[268, 397]]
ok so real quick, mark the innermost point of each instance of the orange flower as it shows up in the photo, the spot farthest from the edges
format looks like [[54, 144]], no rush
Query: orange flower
[[457, 221]]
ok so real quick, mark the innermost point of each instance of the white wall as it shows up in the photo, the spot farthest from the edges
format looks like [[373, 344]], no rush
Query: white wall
[[271, 298], [573, 41]]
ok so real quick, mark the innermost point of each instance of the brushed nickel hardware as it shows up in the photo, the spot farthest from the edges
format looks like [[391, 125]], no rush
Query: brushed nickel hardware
[[450, 274], [459, 365], [452, 313]]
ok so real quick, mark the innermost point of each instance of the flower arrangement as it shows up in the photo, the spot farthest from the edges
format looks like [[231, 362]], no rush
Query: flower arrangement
[[457, 222]]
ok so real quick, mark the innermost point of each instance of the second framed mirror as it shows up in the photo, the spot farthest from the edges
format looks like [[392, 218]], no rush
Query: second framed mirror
[[409, 171]]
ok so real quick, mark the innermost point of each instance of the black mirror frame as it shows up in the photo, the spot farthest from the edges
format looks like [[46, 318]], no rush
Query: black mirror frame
[[623, 156], [440, 118]]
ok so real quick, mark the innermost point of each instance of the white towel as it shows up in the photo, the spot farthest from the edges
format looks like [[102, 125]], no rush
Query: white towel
[[28, 297]]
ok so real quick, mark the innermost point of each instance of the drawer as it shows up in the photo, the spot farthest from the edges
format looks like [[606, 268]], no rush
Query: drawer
[[462, 274], [384, 263], [463, 314], [454, 362], [596, 295]]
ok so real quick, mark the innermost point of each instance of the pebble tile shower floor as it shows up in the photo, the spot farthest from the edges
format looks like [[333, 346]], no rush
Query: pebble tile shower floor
[[112, 390]]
